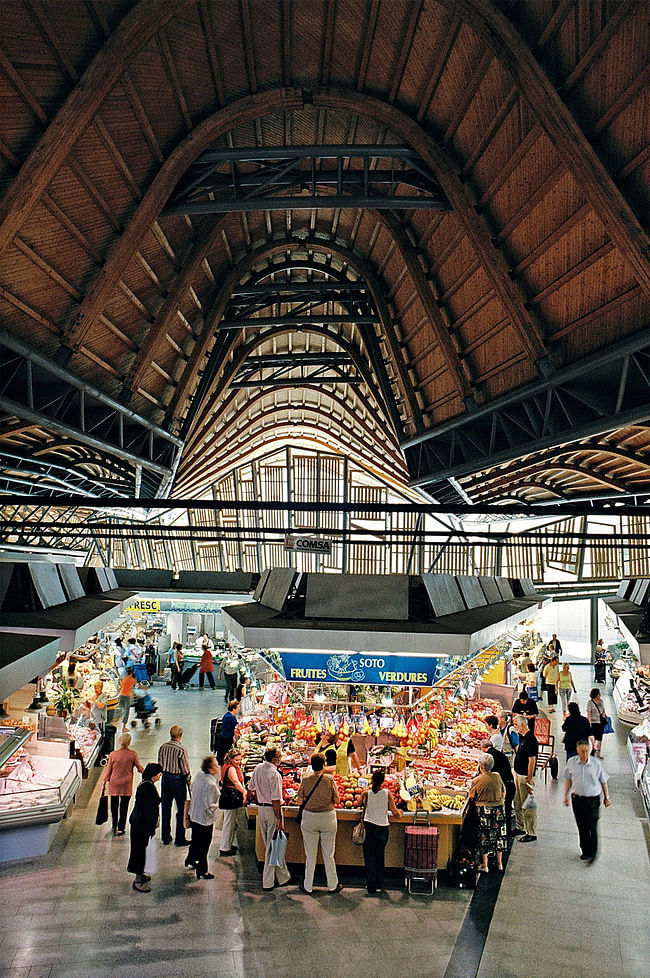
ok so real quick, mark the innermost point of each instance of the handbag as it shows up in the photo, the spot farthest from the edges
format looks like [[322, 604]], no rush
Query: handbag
[[278, 848], [607, 725], [230, 796], [102, 808], [186, 813], [302, 807]]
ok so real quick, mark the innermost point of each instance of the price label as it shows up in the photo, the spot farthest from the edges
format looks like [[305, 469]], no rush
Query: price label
[[363, 782]]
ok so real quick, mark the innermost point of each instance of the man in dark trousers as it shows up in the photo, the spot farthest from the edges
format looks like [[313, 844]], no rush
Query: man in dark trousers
[[502, 767], [175, 763], [584, 779], [557, 646], [524, 774]]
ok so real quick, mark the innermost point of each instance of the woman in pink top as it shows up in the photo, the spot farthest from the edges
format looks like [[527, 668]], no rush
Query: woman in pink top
[[119, 778]]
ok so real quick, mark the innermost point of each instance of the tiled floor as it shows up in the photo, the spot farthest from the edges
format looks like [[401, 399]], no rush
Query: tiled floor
[[73, 913]]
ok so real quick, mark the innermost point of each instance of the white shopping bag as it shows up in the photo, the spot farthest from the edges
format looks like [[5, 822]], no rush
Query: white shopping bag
[[151, 857]]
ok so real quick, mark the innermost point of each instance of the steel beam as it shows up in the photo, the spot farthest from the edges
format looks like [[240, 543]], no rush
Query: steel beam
[[607, 390], [44, 394], [357, 176], [297, 321]]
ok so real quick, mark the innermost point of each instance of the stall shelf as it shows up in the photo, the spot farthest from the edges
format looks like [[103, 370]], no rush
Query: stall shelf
[[632, 703], [347, 854]]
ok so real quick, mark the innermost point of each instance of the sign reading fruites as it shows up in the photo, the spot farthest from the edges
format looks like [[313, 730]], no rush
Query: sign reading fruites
[[144, 604], [308, 545]]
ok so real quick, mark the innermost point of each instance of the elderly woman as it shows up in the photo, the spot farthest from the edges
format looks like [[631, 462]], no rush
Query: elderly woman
[[488, 793], [119, 778], [203, 813]]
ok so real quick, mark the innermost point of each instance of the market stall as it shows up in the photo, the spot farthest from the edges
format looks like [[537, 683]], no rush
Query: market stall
[[38, 783]]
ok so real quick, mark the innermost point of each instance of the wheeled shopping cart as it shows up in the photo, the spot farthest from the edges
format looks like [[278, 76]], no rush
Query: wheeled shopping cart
[[141, 674], [145, 708], [421, 852]]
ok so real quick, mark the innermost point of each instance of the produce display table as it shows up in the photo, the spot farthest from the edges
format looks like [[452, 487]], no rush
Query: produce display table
[[347, 854]]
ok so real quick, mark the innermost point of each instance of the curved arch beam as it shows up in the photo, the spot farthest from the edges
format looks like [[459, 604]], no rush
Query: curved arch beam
[[312, 434], [242, 352], [194, 476], [279, 247], [475, 482], [573, 147], [252, 107], [134, 31], [560, 467]]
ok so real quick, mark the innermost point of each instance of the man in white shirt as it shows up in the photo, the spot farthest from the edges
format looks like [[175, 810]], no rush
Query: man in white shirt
[[585, 778], [266, 782]]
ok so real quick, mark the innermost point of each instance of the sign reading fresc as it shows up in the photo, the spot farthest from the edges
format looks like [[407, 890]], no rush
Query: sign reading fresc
[[308, 545]]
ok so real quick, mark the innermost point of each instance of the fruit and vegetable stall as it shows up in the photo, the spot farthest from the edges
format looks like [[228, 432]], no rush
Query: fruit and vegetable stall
[[430, 759]]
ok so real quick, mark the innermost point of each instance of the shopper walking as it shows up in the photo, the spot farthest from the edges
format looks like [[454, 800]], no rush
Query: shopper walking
[[126, 692], [503, 769], [144, 819], [575, 727], [318, 795], [233, 796], [266, 786], [178, 657], [597, 719], [565, 687], [119, 778], [227, 735], [229, 669], [551, 674], [488, 792], [175, 766], [527, 707], [524, 774], [377, 803], [203, 812], [206, 667], [584, 780], [557, 645]]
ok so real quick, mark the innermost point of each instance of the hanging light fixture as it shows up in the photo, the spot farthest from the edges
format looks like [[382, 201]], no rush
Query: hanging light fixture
[[319, 696], [386, 698]]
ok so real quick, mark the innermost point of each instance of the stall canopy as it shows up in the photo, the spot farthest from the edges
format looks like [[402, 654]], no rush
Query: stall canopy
[[22, 657]]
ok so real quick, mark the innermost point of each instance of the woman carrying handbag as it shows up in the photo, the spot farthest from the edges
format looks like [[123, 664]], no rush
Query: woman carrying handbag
[[232, 798], [317, 797], [377, 803]]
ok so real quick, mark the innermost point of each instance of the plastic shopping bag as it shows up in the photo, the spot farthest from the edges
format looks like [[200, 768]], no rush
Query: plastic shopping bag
[[530, 804], [278, 848], [151, 857]]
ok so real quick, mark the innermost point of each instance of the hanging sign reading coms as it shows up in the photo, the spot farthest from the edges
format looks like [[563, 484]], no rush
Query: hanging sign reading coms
[[343, 667], [308, 545]]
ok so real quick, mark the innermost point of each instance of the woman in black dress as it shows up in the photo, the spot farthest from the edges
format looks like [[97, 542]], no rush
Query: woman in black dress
[[144, 819]]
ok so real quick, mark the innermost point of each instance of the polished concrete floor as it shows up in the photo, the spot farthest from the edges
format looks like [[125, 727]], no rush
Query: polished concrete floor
[[73, 913]]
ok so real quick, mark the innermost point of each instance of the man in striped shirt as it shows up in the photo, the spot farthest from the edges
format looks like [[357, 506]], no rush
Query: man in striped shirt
[[175, 763]]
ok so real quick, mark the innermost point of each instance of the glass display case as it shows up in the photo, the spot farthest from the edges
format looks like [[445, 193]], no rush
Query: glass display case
[[34, 788], [645, 787]]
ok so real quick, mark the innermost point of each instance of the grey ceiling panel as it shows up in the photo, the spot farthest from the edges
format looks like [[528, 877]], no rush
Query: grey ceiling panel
[[278, 586], [490, 590], [527, 585], [102, 578], [640, 591], [504, 587], [261, 584], [622, 589], [472, 592], [47, 584], [111, 578], [71, 581], [444, 594], [357, 596]]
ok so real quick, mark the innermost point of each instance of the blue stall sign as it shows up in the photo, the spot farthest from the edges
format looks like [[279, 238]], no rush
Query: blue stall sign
[[363, 667]]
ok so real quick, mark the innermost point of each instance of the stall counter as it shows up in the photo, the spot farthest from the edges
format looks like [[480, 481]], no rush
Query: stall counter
[[347, 853]]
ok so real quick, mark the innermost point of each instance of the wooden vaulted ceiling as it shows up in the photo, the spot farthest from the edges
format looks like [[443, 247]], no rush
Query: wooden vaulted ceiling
[[533, 117]]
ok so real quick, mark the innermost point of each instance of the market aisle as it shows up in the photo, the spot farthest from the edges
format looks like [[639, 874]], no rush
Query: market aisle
[[559, 916], [73, 913]]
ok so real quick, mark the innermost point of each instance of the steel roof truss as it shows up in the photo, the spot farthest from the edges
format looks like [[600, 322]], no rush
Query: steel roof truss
[[606, 391]]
